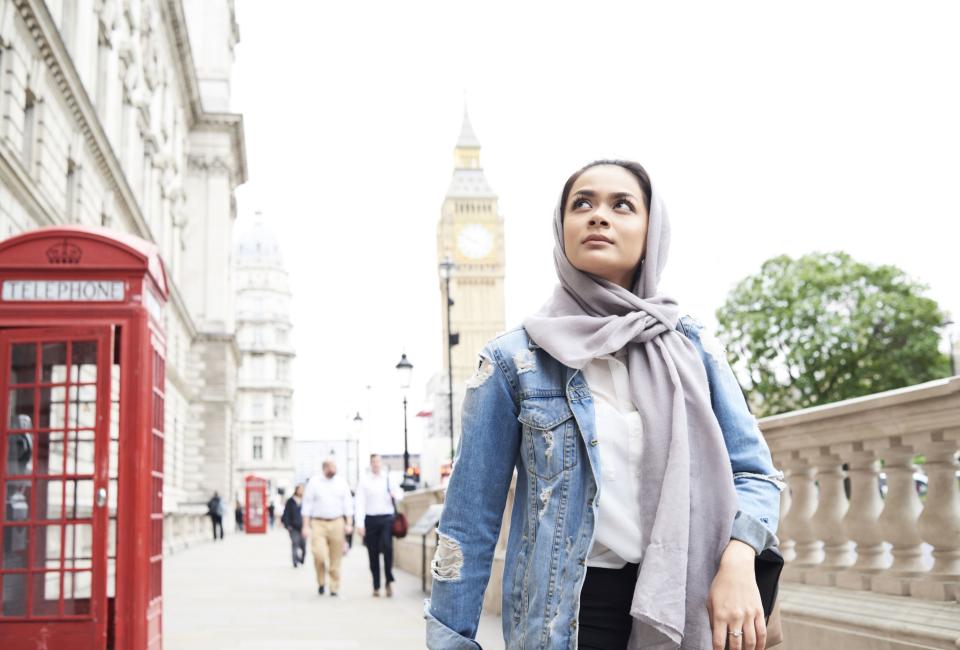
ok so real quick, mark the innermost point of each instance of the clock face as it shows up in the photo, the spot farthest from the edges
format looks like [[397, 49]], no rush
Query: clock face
[[475, 241]]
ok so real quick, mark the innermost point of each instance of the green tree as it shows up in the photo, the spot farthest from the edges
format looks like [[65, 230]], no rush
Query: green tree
[[825, 327]]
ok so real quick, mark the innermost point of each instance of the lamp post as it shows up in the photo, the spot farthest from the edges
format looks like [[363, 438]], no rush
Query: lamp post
[[404, 370], [446, 270], [953, 360]]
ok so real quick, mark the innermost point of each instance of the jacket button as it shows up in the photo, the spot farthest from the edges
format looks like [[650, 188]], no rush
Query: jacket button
[[583, 562], [573, 624], [594, 442]]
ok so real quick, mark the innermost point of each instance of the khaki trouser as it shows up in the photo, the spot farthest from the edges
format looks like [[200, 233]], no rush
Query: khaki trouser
[[326, 544]]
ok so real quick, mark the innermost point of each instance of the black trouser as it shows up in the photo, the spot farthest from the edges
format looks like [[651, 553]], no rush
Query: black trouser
[[604, 621], [298, 545], [217, 523], [379, 539]]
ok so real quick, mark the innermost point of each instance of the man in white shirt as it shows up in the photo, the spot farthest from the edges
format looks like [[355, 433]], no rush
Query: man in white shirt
[[326, 509], [374, 516]]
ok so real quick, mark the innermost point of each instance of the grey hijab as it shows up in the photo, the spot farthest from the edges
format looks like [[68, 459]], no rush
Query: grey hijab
[[686, 476]]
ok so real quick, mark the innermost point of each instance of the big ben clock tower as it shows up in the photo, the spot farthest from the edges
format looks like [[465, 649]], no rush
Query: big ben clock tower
[[470, 234]]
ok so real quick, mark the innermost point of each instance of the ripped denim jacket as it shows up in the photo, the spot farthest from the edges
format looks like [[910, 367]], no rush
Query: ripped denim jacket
[[519, 392]]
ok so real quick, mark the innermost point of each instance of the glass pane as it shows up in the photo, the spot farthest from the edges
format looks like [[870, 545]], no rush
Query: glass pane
[[16, 501], [114, 458], [83, 406], [53, 410], [77, 546], [15, 594], [112, 537], [76, 593], [20, 410], [49, 499], [112, 498], [111, 578], [80, 453], [19, 453], [46, 594], [23, 363], [50, 452], [54, 363], [46, 552], [79, 499], [15, 546], [83, 361]]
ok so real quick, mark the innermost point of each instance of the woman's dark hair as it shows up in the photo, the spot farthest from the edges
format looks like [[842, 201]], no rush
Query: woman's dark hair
[[634, 168]]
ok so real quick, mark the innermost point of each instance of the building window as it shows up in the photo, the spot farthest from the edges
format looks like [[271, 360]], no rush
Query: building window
[[258, 448], [281, 449], [256, 408], [29, 123], [281, 336], [103, 66], [281, 407], [70, 213], [283, 369], [256, 366]]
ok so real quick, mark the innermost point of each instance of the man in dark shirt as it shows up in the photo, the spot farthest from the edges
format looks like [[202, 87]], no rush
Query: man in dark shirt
[[216, 515], [292, 520]]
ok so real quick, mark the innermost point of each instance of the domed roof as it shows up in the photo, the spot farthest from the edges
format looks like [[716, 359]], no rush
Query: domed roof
[[257, 245]]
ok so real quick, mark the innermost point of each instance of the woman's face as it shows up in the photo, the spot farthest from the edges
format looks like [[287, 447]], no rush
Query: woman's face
[[605, 224]]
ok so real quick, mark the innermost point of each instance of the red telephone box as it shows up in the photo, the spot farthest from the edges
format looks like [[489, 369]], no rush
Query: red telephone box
[[255, 508], [81, 440]]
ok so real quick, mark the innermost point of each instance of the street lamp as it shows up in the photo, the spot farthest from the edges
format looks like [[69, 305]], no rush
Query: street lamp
[[446, 270], [404, 370]]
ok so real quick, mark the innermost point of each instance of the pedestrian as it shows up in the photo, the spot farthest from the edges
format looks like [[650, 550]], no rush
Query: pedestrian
[[607, 391], [215, 511], [327, 510], [271, 512], [238, 516], [374, 516], [292, 520]]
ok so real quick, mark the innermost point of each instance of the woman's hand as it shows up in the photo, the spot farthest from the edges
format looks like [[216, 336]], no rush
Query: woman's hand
[[734, 601]]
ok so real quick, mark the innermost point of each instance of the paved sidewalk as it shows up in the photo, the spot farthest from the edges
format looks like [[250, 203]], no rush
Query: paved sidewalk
[[243, 594]]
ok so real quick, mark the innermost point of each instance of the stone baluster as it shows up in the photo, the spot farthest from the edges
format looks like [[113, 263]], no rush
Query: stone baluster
[[939, 522], [807, 545], [898, 521], [861, 520], [827, 521], [784, 534]]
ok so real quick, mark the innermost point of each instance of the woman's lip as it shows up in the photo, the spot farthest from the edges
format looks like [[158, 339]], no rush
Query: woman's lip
[[596, 240]]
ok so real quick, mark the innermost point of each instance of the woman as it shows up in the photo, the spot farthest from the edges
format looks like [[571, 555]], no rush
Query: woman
[[644, 488]]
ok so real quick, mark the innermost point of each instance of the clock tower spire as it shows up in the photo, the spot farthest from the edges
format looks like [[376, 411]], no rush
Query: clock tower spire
[[470, 234]]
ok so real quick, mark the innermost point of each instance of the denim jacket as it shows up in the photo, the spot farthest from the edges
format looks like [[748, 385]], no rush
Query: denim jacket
[[518, 392]]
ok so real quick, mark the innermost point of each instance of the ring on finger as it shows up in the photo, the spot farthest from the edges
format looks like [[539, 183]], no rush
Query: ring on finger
[[735, 633]]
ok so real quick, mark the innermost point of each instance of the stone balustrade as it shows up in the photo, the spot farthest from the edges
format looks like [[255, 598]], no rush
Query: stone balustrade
[[837, 527]]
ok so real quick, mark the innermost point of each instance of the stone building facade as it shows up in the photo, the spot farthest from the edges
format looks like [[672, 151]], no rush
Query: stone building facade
[[111, 116], [265, 386]]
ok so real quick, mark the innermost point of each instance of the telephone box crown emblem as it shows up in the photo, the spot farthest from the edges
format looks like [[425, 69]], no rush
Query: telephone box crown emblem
[[64, 253]]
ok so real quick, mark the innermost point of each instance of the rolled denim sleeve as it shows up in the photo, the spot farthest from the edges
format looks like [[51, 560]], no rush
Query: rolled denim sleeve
[[757, 482], [473, 507]]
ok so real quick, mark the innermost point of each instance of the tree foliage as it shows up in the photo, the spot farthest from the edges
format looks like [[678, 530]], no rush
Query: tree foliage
[[824, 327]]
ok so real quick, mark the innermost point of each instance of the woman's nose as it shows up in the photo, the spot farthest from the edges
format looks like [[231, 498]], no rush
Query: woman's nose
[[599, 219]]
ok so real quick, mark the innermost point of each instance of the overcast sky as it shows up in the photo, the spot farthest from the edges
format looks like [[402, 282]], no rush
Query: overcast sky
[[769, 129]]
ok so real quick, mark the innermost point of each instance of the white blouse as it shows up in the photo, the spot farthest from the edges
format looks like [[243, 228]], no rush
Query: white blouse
[[618, 538]]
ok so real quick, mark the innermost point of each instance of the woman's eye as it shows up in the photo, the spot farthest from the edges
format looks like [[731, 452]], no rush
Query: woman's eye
[[579, 203], [626, 204]]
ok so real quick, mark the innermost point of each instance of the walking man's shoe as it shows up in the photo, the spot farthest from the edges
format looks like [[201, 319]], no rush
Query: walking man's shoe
[[320, 590], [389, 591], [376, 593], [333, 593]]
